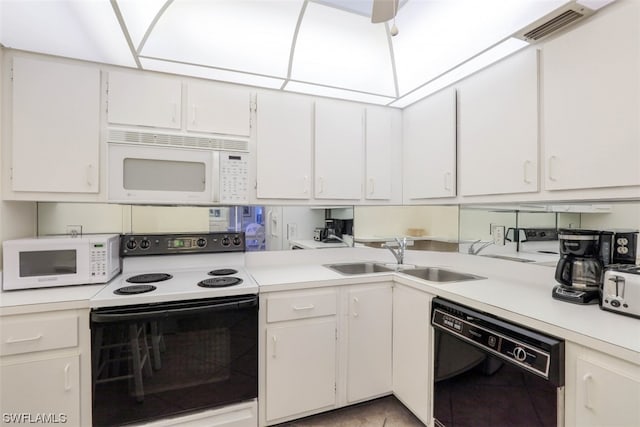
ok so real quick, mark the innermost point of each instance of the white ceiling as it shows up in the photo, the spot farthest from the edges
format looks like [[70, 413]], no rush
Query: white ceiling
[[322, 47]]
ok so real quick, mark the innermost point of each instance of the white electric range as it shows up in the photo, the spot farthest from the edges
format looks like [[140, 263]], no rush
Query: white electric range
[[179, 325], [178, 267]]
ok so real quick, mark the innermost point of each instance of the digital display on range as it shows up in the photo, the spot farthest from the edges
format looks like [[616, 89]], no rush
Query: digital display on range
[[179, 243], [235, 158]]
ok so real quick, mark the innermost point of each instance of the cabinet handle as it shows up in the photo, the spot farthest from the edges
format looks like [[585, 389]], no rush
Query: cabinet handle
[[304, 307], [194, 110], [355, 306], [273, 352], [305, 189], [372, 186], [174, 111], [525, 167], [320, 185], [447, 181], [550, 174], [90, 175], [67, 380], [19, 340], [587, 379]]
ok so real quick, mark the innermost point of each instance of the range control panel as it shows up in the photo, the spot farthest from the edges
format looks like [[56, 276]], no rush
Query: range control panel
[[172, 244], [525, 348]]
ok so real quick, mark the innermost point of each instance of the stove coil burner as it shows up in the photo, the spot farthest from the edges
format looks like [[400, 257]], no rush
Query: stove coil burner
[[223, 272], [135, 289], [219, 282], [149, 278]]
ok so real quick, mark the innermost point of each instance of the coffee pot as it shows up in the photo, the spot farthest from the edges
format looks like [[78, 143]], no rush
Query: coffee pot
[[583, 257]]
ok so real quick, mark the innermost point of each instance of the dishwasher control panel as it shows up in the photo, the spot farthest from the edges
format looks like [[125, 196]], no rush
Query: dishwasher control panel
[[523, 347]]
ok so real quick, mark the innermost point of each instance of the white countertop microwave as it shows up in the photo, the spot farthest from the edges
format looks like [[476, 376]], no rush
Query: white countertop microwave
[[48, 261]]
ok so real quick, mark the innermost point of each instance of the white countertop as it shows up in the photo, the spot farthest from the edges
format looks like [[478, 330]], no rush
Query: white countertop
[[519, 292], [314, 244]]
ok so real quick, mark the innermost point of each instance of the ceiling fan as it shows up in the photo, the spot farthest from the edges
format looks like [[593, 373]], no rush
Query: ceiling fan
[[383, 10]]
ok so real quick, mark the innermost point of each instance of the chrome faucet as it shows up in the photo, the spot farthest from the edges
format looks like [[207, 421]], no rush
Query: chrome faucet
[[475, 251], [333, 236], [398, 252]]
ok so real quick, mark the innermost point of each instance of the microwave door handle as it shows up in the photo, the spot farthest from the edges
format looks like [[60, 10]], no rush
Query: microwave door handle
[[167, 312]]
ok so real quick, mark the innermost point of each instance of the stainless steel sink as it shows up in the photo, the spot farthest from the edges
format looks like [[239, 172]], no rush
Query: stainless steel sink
[[435, 274], [350, 268]]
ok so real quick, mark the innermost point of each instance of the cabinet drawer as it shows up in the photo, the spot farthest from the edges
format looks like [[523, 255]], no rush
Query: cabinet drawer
[[301, 305], [29, 333]]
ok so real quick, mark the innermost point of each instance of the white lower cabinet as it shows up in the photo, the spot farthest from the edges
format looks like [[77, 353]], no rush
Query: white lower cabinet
[[369, 341], [301, 367], [412, 364], [45, 368], [57, 399], [323, 349], [601, 390]]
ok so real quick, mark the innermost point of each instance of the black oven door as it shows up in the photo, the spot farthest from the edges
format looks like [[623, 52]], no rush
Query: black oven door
[[157, 360]]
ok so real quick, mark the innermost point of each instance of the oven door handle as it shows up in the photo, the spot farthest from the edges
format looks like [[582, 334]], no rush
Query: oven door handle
[[168, 311]]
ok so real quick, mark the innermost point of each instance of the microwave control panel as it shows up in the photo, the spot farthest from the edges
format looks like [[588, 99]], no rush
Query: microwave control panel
[[234, 178], [98, 260]]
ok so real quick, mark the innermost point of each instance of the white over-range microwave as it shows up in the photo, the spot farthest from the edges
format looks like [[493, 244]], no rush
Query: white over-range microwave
[[48, 261], [153, 174]]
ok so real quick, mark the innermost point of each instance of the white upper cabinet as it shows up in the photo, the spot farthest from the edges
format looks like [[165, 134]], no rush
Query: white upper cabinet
[[430, 147], [145, 100], [591, 95], [498, 128], [55, 132], [378, 153], [283, 142], [339, 131], [218, 109]]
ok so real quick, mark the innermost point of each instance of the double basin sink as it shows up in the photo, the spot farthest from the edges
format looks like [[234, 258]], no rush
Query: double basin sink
[[432, 274]]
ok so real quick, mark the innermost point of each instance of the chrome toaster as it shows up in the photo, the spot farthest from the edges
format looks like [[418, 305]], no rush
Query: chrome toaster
[[621, 290]]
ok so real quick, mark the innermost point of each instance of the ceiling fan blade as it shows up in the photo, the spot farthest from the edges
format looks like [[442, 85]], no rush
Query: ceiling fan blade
[[383, 10]]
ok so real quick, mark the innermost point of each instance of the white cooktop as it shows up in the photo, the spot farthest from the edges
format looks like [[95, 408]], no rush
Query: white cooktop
[[186, 271]]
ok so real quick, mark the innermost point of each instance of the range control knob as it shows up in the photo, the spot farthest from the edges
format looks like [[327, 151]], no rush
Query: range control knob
[[131, 245], [201, 242], [520, 354], [145, 244], [225, 241], [237, 241]]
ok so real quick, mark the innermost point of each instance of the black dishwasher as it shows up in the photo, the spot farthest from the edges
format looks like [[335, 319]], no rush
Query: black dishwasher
[[491, 372]]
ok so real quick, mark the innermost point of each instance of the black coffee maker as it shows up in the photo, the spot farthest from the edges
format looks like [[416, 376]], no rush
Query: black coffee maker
[[583, 256]]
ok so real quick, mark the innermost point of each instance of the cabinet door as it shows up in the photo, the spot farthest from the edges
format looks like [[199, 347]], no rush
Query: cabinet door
[[412, 348], [338, 150], [369, 342], [145, 100], [591, 89], [301, 367], [48, 387], [378, 154], [218, 109], [606, 396], [55, 126], [430, 147], [283, 146], [498, 128]]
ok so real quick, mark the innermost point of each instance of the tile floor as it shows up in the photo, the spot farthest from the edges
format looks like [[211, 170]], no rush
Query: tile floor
[[382, 412]]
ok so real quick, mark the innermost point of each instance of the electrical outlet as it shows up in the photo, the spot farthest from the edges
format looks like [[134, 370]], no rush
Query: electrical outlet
[[292, 231], [498, 235], [74, 230]]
